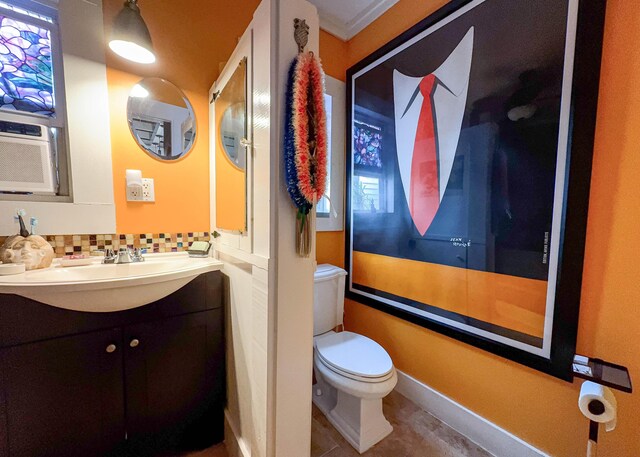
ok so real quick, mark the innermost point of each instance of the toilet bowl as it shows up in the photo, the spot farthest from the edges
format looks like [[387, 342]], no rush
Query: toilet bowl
[[353, 373]]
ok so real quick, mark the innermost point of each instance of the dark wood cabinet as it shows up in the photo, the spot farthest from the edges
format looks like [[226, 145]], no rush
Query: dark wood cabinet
[[64, 396], [172, 389], [137, 382]]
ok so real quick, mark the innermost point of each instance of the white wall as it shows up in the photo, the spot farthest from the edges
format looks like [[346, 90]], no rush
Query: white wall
[[270, 320], [85, 81], [246, 255], [292, 280], [246, 315], [239, 413]]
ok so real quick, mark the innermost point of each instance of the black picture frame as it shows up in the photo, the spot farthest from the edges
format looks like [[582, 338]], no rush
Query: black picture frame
[[582, 119]]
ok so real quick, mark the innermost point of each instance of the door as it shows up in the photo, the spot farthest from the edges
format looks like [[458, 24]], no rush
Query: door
[[174, 382], [64, 396]]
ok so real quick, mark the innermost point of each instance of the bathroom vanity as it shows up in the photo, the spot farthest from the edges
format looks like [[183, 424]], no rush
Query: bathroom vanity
[[135, 382]]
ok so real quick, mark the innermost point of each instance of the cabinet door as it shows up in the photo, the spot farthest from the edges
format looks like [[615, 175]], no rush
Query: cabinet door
[[64, 397], [174, 382]]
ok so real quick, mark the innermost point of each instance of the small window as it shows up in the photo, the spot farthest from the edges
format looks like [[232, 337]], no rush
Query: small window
[[367, 194], [372, 185], [32, 100], [329, 209], [324, 206]]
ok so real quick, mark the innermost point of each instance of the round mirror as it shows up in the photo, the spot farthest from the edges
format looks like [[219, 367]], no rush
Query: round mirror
[[161, 119]]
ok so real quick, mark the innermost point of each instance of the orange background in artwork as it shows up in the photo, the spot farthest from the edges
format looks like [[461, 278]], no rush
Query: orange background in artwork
[[507, 301], [536, 407], [191, 39]]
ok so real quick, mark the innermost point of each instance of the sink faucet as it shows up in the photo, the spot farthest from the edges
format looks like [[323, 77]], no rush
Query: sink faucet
[[109, 256], [124, 255]]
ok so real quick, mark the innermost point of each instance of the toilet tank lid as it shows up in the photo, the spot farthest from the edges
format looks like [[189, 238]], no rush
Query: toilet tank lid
[[327, 271]]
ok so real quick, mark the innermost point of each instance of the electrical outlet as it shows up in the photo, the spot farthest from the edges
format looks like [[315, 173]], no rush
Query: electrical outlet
[[148, 190], [134, 194]]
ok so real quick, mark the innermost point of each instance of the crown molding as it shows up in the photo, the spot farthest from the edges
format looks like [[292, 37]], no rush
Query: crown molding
[[347, 30]]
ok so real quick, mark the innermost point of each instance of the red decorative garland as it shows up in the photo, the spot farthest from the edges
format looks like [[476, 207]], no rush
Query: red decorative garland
[[310, 127]]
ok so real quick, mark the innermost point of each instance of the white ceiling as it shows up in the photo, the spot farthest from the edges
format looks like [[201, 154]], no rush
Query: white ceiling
[[345, 18]]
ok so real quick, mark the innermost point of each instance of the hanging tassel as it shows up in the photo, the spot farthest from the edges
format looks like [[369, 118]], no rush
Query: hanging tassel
[[303, 230], [303, 233]]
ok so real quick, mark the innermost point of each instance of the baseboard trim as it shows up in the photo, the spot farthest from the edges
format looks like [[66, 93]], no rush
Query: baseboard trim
[[236, 447], [484, 433]]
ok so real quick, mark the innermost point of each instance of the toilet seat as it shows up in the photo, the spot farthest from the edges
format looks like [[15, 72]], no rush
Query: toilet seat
[[344, 374], [354, 356]]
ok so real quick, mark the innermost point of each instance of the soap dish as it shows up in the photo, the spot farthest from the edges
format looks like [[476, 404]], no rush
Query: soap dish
[[11, 268], [75, 260]]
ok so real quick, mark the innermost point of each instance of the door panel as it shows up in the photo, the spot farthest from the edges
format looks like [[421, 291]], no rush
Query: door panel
[[4, 443], [174, 381], [64, 397]]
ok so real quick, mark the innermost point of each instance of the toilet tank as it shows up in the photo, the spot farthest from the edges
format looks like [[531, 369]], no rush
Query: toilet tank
[[328, 298]]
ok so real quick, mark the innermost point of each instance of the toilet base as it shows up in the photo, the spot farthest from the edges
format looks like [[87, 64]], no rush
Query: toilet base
[[359, 420]]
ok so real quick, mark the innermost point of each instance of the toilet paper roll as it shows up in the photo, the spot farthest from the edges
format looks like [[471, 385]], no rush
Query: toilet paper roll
[[598, 404]]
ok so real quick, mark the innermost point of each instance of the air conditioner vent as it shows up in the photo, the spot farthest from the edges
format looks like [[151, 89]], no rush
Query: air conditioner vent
[[25, 159], [21, 162]]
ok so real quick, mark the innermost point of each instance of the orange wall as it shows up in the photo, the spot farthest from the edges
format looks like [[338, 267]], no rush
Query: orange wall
[[538, 408], [333, 53], [191, 39]]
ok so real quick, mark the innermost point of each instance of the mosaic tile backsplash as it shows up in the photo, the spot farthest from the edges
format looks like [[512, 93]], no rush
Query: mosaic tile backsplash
[[152, 242]]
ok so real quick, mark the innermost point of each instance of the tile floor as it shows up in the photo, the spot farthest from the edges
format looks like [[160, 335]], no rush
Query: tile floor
[[416, 433]]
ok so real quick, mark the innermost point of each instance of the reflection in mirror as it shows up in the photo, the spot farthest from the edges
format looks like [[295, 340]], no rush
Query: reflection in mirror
[[232, 131], [231, 151], [161, 119]]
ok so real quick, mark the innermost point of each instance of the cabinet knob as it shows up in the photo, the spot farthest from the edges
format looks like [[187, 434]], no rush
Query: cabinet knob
[[134, 343], [111, 348]]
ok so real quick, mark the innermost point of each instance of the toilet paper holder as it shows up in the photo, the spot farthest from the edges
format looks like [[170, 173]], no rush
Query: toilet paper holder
[[605, 374], [602, 372]]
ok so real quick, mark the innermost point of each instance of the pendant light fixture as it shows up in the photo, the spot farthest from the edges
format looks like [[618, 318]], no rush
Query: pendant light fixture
[[130, 36]]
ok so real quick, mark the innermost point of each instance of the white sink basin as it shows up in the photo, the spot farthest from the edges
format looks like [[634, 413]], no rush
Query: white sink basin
[[102, 288]]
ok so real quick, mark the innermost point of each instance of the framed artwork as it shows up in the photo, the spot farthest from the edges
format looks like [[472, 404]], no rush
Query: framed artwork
[[468, 174]]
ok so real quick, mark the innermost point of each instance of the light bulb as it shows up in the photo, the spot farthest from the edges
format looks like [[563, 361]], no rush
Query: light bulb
[[132, 51]]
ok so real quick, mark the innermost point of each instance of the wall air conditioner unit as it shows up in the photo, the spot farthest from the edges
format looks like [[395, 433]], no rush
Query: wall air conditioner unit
[[26, 164]]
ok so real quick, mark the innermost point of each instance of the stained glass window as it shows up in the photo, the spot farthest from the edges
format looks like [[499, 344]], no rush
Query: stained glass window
[[26, 74], [367, 145]]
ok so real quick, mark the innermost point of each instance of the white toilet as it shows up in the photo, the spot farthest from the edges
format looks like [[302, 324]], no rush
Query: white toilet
[[353, 372]]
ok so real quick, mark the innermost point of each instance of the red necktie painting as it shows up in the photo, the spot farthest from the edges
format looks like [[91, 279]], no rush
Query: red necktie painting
[[459, 174]]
